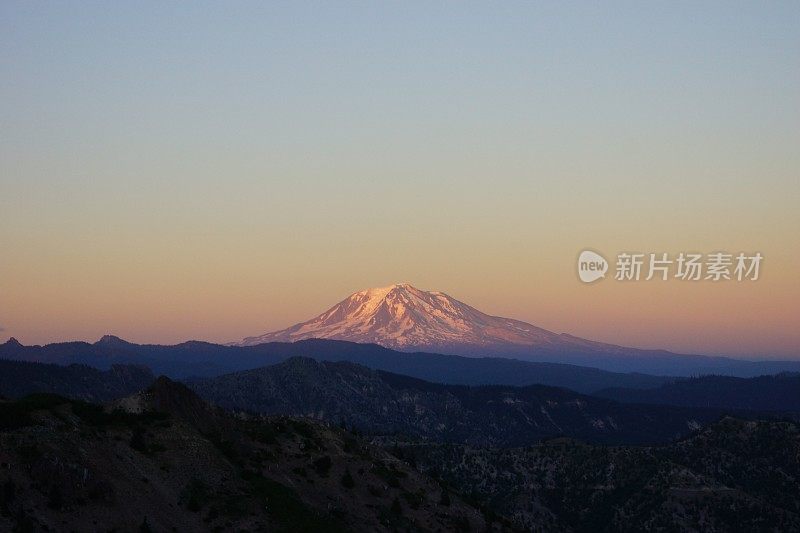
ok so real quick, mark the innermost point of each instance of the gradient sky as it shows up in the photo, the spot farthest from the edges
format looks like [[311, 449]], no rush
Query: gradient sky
[[216, 170]]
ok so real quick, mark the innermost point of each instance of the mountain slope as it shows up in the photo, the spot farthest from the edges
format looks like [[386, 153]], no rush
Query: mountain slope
[[72, 466], [381, 403], [734, 475], [401, 316], [764, 393], [20, 378], [405, 318]]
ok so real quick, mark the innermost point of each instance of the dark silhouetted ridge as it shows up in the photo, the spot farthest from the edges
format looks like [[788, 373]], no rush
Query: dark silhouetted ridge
[[381, 403]]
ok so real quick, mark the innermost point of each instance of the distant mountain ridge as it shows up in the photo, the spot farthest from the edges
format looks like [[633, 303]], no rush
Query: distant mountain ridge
[[763, 393], [202, 359], [20, 378], [382, 403]]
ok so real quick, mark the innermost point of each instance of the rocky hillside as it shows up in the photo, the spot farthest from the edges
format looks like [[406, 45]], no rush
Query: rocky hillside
[[164, 460], [734, 475], [20, 378], [380, 403]]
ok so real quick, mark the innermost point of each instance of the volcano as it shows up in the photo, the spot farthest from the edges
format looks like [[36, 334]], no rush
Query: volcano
[[405, 318]]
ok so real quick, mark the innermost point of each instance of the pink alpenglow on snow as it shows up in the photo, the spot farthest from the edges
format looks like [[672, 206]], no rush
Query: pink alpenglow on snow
[[403, 317]]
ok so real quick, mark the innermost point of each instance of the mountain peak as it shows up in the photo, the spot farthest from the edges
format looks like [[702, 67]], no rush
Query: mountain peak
[[402, 316], [111, 340], [381, 292], [13, 342], [175, 399]]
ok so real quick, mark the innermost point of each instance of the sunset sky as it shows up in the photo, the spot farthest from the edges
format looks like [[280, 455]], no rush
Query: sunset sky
[[174, 171]]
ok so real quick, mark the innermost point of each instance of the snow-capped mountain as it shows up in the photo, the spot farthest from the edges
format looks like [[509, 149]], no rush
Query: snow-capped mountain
[[405, 318]]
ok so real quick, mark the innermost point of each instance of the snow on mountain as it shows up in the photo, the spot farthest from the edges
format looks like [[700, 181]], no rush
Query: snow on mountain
[[403, 317]]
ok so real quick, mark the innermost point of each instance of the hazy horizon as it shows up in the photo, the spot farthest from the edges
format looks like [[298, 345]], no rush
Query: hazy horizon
[[215, 171], [739, 356]]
